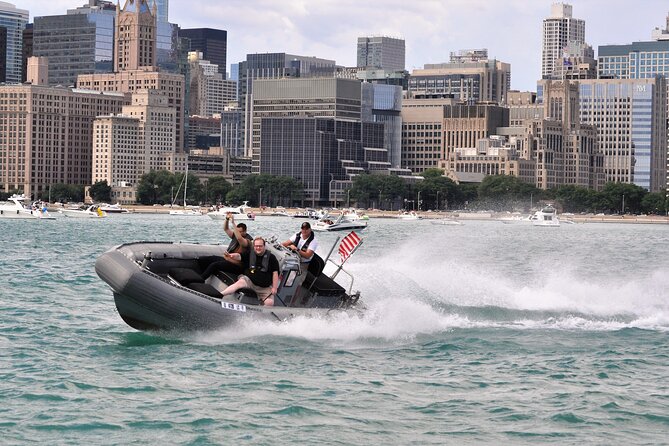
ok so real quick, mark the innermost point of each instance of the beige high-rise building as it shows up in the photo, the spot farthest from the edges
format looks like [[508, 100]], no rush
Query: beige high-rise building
[[135, 63], [117, 153], [473, 80], [139, 140], [422, 137], [560, 30], [135, 36], [46, 135], [210, 93], [545, 144]]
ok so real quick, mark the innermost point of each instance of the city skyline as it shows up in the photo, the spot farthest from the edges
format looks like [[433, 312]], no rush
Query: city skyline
[[511, 31]]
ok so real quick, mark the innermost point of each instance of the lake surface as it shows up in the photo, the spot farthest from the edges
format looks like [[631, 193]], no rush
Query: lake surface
[[481, 333]]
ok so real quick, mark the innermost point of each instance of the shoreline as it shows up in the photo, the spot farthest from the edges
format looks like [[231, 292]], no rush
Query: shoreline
[[486, 216]]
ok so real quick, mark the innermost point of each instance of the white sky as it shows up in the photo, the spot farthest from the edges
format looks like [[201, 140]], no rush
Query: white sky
[[510, 29]]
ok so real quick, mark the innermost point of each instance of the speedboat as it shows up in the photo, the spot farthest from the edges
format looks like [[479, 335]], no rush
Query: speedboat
[[113, 208], [159, 286], [14, 207], [412, 215], [187, 212], [238, 213], [546, 216], [92, 211], [446, 222], [518, 219], [280, 213], [341, 223], [353, 215]]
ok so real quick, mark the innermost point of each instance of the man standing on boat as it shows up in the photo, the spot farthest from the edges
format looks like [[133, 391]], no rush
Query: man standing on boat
[[261, 273], [240, 242], [304, 243]]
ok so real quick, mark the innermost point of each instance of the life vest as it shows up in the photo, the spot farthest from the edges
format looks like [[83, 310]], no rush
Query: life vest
[[265, 261], [306, 244], [234, 243]]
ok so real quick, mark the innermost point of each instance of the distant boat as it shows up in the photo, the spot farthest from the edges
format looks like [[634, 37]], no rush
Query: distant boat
[[14, 207], [113, 208], [446, 222], [546, 216], [409, 216], [92, 211], [341, 223], [186, 211], [238, 213]]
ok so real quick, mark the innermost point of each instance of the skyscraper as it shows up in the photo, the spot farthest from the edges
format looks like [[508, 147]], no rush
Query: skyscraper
[[212, 43], [79, 42], [560, 29], [135, 36], [381, 52], [15, 20], [637, 60]]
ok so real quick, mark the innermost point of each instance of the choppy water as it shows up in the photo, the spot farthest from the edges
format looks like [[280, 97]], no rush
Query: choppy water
[[484, 333]]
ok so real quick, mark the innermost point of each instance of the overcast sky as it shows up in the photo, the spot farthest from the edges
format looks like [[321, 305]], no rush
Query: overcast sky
[[510, 29]]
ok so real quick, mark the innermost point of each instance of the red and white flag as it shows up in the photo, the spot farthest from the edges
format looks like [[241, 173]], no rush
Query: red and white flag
[[348, 245]]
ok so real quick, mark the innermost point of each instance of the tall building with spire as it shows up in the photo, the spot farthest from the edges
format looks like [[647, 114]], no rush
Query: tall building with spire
[[560, 29], [135, 36], [135, 63]]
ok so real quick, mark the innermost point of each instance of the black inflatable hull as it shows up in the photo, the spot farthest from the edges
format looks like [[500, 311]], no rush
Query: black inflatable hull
[[146, 300]]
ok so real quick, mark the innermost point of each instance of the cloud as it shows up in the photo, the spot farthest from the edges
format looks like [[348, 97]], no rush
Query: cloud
[[511, 30]]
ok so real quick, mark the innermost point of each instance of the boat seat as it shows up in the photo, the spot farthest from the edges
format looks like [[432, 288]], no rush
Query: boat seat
[[323, 285], [314, 269], [204, 288], [185, 276], [226, 277]]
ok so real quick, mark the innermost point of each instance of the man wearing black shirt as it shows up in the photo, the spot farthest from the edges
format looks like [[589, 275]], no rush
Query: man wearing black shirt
[[261, 273], [240, 241]]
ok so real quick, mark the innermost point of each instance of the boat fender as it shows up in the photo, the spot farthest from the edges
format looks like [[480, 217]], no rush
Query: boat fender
[[265, 262]]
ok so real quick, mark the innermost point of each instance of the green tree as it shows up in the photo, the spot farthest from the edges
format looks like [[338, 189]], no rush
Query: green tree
[[158, 187], [504, 192], [217, 188], [101, 192], [615, 195], [67, 192], [574, 198], [654, 203], [276, 190]]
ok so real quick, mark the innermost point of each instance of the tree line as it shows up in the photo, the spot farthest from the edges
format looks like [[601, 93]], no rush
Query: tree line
[[385, 192]]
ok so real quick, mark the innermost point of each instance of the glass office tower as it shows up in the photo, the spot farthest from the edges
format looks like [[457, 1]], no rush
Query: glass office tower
[[80, 42], [14, 20]]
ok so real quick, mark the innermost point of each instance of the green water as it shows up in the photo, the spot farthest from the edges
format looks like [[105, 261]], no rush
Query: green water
[[482, 333]]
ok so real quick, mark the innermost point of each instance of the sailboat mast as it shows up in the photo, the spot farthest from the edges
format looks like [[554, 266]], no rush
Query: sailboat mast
[[185, 185]]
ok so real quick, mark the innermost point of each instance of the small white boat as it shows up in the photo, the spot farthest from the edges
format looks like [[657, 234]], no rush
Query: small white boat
[[280, 213], [14, 207], [341, 223], [92, 211], [187, 211], [446, 222], [517, 219], [238, 213], [546, 216], [353, 215], [412, 215], [113, 208]]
